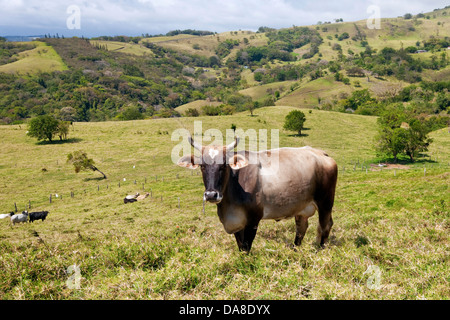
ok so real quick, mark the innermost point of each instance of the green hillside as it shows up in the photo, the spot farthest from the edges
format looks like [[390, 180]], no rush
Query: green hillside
[[319, 66], [165, 247], [42, 58]]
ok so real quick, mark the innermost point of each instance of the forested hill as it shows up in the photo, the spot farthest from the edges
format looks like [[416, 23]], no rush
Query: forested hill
[[341, 66]]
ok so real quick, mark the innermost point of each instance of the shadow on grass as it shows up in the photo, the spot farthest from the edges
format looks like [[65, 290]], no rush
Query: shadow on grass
[[403, 160], [94, 179], [71, 140], [300, 135]]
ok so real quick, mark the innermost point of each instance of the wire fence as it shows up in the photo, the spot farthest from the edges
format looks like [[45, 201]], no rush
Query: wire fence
[[157, 194], [149, 184]]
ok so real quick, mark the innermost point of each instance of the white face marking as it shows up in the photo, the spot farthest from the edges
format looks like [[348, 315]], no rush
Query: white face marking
[[213, 153]]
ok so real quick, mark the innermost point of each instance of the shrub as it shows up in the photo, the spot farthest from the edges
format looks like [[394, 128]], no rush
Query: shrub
[[294, 121], [43, 127], [192, 112]]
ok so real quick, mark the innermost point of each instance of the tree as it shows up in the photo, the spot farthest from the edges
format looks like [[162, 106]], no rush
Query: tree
[[294, 121], [43, 127], [407, 16], [80, 161], [417, 139], [63, 129], [400, 133]]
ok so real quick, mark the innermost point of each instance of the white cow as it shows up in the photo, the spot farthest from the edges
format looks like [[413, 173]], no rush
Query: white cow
[[5, 215], [21, 217]]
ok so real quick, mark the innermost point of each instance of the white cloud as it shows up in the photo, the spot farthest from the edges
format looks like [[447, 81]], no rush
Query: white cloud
[[159, 16]]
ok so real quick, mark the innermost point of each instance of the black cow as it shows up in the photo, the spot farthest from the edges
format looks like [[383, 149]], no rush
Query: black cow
[[38, 215]]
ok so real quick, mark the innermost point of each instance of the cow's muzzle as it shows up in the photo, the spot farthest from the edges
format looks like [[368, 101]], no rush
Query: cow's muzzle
[[212, 196]]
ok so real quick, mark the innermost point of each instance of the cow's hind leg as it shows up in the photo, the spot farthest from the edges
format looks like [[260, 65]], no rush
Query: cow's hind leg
[[325, 201], [245, 237], [324, 227], [301, 223]]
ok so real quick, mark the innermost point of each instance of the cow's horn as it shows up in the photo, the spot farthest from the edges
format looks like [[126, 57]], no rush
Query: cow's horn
[[232, 145], [194, 144]]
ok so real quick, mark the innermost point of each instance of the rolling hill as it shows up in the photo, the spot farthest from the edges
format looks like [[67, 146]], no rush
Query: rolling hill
[[157, 75], [43, 58]]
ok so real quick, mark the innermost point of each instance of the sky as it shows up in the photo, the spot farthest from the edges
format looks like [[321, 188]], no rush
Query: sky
[[137, 17]]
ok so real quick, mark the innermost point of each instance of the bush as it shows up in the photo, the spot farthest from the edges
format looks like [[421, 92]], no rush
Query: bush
[[192, 112], [43, 127], [132, 113], [343, 36], [294, 121], [401, 133]]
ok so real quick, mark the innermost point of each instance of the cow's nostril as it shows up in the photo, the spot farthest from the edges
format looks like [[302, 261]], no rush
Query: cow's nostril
[[211, 195]]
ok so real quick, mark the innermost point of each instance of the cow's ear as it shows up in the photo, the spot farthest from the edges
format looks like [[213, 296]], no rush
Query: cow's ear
[[187, 162], [237, 162]]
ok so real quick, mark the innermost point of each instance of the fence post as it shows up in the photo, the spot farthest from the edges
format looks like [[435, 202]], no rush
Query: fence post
[[50, 198]]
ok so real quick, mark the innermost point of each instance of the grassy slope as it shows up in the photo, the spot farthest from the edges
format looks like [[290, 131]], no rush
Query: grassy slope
[[394, 32], [130, 48], [43, 58], [153, 249], [208, 44], [198, 104]]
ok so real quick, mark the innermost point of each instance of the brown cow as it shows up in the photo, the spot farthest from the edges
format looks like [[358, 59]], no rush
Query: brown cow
[[247, 191]]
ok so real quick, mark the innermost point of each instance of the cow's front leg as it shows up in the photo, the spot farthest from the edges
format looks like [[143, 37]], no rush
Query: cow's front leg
[[245, 237]]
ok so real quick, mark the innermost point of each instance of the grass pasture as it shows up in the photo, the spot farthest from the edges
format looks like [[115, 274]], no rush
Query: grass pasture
[[43, 58], [130, 48], [197, 104], [389, 239], [206, 45]]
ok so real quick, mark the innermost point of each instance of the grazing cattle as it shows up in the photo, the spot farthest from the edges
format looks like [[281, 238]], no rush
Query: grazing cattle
[[38, 215], [131, 198], [5, 215], [245, 193], [142, 196], [21, 217]]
